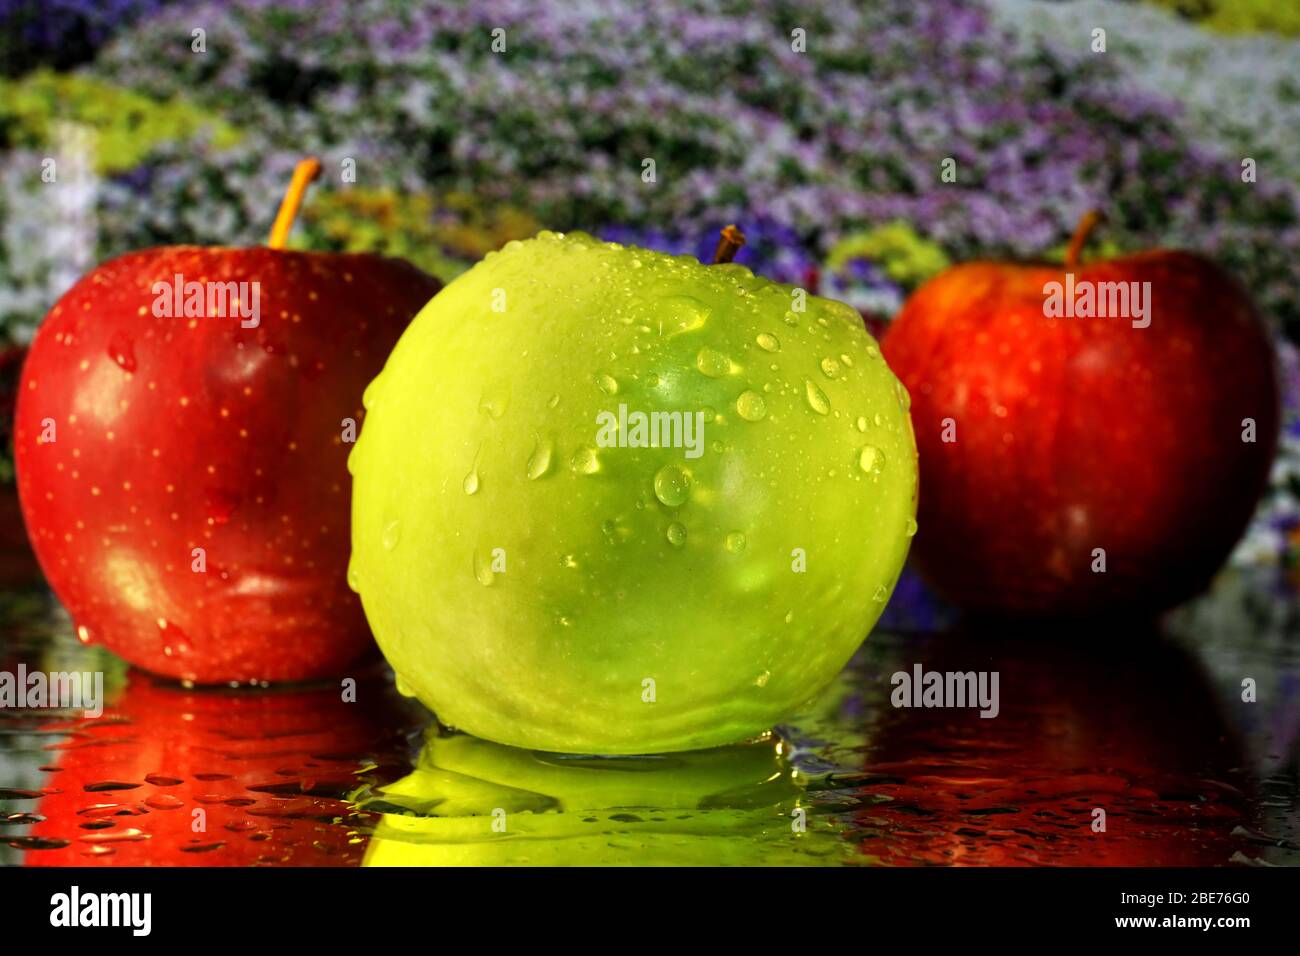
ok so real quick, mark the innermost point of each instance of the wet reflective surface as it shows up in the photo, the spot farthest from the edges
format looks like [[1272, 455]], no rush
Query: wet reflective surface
[[1145, 726]]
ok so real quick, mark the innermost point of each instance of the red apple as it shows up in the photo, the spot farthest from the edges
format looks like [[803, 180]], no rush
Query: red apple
[[1051, 448], [184, 479]]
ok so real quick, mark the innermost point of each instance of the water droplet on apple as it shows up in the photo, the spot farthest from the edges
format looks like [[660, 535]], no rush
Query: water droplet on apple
[[494, 404], [830, 367], [791, 318], [677, 534], [862, 423], [483, 572], [585, 461], [554, 400], [173, 639], [768, 342], [392, 534], [762, 679], [679, 314], [354, 576], [470, 484], [672, 485], [607, 384], [736, 542], [882, 592], [713, 363], [817, 399], [539, 463], [871, 459], [84, 635], [403, 687], [751, 407], [568, 561], [904, 396], [873, 352], [910, 529], [122, 351]]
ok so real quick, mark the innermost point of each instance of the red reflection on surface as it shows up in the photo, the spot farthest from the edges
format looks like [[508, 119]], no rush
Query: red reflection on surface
[[176, 777], [1127, 725]]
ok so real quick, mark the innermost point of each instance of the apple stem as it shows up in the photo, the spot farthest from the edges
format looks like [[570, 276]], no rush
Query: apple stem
[[729, 243], [306, 170], [1082, 231]]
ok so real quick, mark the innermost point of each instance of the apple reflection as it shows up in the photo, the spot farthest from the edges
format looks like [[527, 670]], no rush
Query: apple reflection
[[204, 777], [1122, 722], [473, 803]]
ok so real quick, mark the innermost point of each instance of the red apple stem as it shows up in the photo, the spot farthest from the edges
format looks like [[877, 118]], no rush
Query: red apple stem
[[729, 243], [1082, 231], [306, 170]]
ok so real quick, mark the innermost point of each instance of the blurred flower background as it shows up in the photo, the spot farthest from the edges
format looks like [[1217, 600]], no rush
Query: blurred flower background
[[829, 158]]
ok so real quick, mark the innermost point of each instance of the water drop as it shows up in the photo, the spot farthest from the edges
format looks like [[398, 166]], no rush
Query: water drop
[[817, 399], [585, 461], [392, 534], [677, 534], [354, 577], [122, 351], [751, 407], [672, 485], [470, 484], [768, 343], [830, 367], [871, 459], [680, 314], [539, 462], [736, 542], [904, 396], [607, 384], [493, 404], [862, 423], [713, 363], [910, 529], [403, 687], [483, 572], [882, 592], [791, 318]]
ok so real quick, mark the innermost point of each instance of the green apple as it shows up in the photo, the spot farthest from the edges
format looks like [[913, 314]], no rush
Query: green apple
[[608, 500], [470, 802]]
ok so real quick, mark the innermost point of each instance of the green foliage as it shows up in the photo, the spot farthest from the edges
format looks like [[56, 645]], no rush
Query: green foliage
[[441, 236], [127, 125], [907, 258], [1240, 16]]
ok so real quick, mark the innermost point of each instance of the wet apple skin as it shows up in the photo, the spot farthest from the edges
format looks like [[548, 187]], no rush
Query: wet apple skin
[[481, 434]]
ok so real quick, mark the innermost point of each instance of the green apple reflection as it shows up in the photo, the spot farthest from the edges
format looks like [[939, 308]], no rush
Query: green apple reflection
[[470, 802]]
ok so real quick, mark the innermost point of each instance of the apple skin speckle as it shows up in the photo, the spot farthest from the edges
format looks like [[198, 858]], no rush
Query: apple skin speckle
[[173, 434]]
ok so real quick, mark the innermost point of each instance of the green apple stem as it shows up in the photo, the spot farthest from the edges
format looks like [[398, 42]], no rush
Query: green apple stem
[[1082, 231], [729, 243], [306, 170]]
